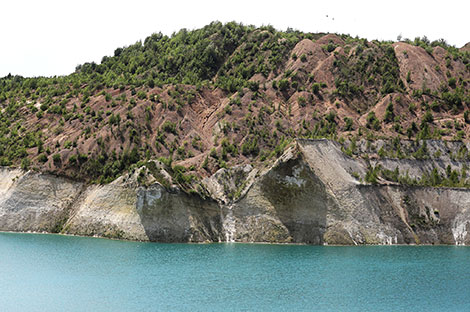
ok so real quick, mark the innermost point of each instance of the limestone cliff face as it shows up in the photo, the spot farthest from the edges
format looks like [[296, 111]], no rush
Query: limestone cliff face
[[35, 202], [123, 209], [310, 195]]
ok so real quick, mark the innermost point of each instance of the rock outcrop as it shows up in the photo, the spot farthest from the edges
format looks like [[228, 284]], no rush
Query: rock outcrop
[[312, 194]]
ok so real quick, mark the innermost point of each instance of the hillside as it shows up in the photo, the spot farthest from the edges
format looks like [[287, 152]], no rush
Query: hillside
[[229, 94]]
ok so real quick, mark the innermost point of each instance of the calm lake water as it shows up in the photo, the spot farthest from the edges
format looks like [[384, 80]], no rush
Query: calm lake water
[[58, 273]]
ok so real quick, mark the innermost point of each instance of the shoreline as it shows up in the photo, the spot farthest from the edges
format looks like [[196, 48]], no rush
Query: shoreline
[[230, 243]]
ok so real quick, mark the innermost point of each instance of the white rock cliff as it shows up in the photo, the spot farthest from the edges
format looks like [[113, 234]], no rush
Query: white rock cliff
[[308, 196]]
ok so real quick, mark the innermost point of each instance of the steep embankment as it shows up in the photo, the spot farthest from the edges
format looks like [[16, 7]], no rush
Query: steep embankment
[[183, 138], [228, 95], [313, 194]]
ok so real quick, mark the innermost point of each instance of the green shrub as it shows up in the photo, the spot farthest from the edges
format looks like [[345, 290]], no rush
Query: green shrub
[[253, 85], [169, 127], [42, 158], [284, 85], [373, 122], [250, 147], [73, 159], [56, 158], [330, 47], [213, 153], [331, 116], [408, 77], [389, 114], [348, 124], [316, 88], [428, 117], [142, 95], [25, 162], [466, 116], [371, 174], [67, 144], [452, 82]]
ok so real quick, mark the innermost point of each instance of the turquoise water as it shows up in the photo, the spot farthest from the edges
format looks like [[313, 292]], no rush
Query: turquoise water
[[58, 273]]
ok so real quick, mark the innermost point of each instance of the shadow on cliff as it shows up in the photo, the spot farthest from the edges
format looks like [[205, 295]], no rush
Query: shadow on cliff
[[178, 217], [299, 199]]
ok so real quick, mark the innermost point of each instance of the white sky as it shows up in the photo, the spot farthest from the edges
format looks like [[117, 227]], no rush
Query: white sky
[[51, 37]]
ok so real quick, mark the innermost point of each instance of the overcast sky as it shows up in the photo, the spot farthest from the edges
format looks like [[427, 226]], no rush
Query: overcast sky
[[51, 37]]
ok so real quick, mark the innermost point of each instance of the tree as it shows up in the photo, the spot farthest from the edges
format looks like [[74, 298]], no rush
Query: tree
[[283, 84], [56, 158]]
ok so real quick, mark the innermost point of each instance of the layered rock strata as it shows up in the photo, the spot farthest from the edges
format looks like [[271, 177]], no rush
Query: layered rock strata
[[312, 194]]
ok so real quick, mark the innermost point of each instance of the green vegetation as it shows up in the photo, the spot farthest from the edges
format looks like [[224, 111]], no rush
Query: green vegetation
[[152, 100], [433, 178]]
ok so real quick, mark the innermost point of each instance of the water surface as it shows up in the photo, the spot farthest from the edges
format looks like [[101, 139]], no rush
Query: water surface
[[59, 273]]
